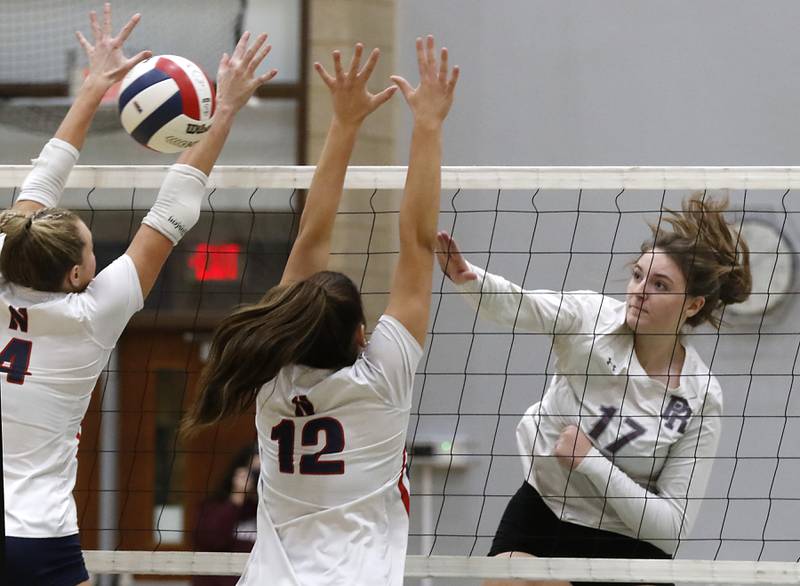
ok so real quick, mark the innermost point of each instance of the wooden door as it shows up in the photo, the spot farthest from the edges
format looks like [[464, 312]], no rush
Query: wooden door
[[162, 478]]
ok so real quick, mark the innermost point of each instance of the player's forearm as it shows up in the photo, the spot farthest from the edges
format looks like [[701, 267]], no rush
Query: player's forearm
[[419, 212], [75, 126], [203, 156], [45, 183], [647, 514], [507, 304], [327, 185]]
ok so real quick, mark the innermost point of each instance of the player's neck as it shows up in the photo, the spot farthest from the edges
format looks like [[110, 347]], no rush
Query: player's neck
[[661, 357]]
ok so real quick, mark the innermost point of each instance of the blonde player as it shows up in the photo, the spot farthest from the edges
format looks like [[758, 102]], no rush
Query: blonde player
[[618, 453], [59, 322], [332, 410]]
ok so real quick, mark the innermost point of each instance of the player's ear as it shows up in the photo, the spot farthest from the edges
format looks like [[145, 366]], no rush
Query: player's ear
[[361, 336], [695, 306], [72, 281]]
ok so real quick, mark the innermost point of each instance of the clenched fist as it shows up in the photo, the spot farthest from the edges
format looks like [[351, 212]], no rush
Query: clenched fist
[[572, 446]]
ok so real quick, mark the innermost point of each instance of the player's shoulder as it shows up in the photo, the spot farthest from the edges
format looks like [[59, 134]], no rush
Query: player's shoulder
[[594, 308], [390, 343], [712, 395], [24, 303], [116, 284], [705, 387]]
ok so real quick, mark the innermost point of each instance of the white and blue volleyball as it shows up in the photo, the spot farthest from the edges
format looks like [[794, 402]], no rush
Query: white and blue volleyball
[[166, 103]]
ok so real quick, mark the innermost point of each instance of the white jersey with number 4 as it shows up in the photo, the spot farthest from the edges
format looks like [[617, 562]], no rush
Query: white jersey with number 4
[[333, 506], [53, 347]]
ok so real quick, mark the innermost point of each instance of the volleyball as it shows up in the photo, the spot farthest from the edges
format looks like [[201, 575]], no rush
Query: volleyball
[[166, 103]]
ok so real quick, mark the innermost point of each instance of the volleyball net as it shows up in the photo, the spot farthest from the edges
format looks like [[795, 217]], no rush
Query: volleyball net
[[563, 228]]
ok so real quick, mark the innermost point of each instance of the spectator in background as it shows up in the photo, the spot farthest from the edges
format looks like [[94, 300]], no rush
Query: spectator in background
[[227, 520]]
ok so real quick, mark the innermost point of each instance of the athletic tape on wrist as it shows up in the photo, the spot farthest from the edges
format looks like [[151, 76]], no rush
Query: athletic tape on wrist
[[177, 207], [45, 183]]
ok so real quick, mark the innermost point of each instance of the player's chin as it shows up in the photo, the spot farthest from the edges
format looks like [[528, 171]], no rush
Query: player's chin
[[636, 319]]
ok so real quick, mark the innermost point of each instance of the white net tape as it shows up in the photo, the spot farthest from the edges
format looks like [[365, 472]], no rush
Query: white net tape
[[606, 570], [299, 177]]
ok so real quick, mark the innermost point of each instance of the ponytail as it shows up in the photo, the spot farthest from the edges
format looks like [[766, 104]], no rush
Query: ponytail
[[312, 322], [711, 254]]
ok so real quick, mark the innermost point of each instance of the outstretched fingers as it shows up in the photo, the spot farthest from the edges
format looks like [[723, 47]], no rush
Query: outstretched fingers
[[384, 96], [355, 62], [420, 57], [327, 78], [86, 45], [451, 85], [337, 66], [249, 55], [133, 61], [443, 65], [236, 77], [369, 66], [445, 242], [241, 46], [403, 84], [107, 19], [351, 99], [426, 60], [430, 54], [256, 54], [262, 79], [445, 254], [126, 30], [96, 32], [127, 65], [260, 56]]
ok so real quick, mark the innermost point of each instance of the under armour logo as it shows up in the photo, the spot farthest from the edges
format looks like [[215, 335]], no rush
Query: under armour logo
[[610, 363], [302, 406]]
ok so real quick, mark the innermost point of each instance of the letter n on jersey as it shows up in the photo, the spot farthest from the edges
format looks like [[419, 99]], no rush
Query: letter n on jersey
[[303, 407], [19, 319]]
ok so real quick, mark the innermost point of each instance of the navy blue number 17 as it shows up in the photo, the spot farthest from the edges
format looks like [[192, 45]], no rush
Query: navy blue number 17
[[622, 440]]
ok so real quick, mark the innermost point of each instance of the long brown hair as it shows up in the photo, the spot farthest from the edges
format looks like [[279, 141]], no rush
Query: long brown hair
[[311, 322], [711, 254], [40, 248]]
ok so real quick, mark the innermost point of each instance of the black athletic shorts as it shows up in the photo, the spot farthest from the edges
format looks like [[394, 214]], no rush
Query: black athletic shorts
[[529, 526], [46, 561]]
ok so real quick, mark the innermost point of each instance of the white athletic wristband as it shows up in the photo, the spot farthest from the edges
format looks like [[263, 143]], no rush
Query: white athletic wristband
[[45, 183], [177, 207]]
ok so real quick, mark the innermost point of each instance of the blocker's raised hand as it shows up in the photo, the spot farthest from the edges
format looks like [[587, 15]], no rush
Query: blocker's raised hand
[[107, 63], [352, 101], [430, 101], [236, 76]]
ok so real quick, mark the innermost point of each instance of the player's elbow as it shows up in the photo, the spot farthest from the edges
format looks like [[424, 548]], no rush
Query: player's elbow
[[420, 241], [672, 524]]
